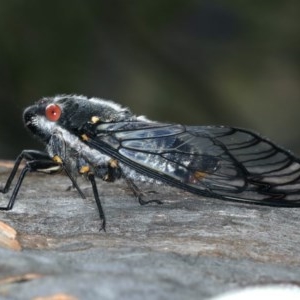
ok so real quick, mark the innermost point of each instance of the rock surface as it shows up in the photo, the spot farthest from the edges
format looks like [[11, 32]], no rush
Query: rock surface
[[188, 248]]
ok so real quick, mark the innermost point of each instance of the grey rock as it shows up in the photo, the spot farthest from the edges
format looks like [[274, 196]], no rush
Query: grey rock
[[188, 248]]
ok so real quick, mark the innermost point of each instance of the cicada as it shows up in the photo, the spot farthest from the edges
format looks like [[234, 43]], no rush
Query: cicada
[[97, 138]]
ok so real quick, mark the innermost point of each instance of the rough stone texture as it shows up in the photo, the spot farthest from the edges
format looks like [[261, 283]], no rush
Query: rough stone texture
[[187, 248]]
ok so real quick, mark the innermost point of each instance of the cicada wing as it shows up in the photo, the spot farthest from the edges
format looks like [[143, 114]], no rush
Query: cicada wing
[[273, 173], [221, 162]]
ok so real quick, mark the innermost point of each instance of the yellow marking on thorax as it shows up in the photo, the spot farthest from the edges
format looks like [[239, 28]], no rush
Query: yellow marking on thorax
[[57, 159], [113, 163], [95, 119], [84, 137], [84, 169]]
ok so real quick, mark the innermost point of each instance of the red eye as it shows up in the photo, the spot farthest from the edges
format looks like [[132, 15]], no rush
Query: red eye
[[53, 112]]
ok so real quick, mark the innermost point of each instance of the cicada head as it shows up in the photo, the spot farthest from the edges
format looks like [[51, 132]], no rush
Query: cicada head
[[70, 112]]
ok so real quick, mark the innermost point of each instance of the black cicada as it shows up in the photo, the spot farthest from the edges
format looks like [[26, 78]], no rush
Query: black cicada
[[99, 138]]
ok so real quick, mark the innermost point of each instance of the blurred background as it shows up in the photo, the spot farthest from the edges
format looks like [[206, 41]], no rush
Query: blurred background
[[199, 62]]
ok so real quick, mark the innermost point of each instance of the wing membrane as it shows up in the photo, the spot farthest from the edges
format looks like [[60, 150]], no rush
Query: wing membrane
[[221, 162]]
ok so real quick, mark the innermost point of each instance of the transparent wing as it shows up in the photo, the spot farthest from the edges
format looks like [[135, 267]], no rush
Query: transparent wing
[[222, 162]]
